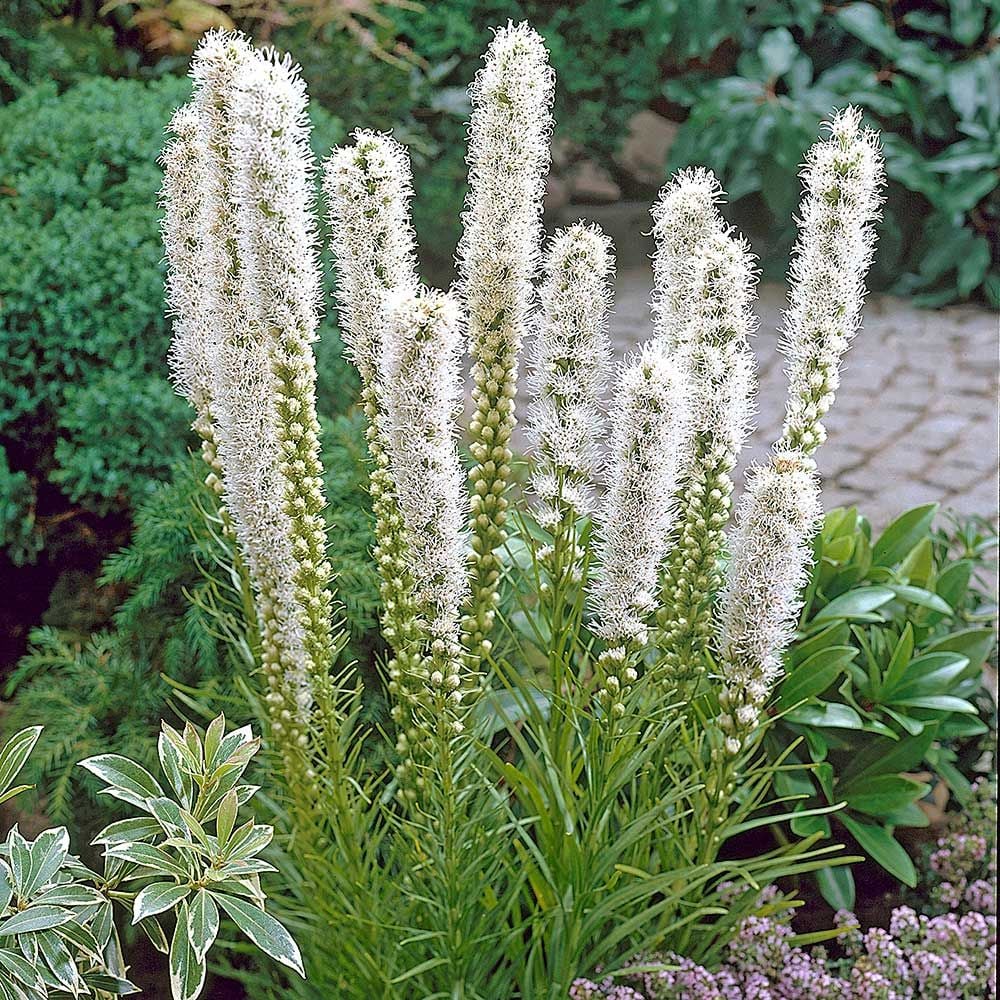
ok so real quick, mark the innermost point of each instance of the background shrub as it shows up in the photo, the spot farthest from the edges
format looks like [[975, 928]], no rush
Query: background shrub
[[88, 421], [927, 75]]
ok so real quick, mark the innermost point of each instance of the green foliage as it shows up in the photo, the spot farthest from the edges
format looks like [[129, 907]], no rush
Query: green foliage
[[87, 417], [927, 77], [180, 627], [884, 679], [57, 931]]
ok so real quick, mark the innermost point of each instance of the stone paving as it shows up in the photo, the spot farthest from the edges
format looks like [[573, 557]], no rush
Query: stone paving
[[915, 418]]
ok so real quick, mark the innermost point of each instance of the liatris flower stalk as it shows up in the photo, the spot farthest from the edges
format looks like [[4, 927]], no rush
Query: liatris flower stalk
[[422, 393], [368, 188], [498, 255], [570, 359], [649, 424], [190, 209], [770, 552], [843, 177], [259, 291], [703, 309]]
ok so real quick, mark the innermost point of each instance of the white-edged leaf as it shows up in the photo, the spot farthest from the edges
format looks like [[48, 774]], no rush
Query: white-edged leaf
[[127, 780], [48, 852], [203, 923], [22, 970], [59, 960], [14, 754], [263, 930], [128, 831], [149, 856], [187, 974], [35, 918], [156, 898]]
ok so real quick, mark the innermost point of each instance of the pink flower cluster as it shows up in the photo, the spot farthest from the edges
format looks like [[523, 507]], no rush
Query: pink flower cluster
[[946, 957], [963, 867]]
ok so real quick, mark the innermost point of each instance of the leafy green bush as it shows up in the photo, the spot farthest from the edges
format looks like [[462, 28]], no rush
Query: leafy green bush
[[58, 937], [87, 417], [883, 679], [927, 75]]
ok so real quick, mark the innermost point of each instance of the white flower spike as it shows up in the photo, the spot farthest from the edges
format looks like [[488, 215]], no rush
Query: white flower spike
[[843, 177]]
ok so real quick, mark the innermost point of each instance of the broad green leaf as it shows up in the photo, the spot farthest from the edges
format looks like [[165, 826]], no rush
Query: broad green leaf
[[922, 598], [35, 918], [882, 848], [187, 974], [939, 703], [127, 780], [930, 674], [906, 531], [884, 756], [829, 715], [882, 793], [836, 884], [856, 603], [203, 923], [263, 930], [226, 820], [213, 738], [156, 898], [14, 754], [815, 675], [974, 643], [898, 663]]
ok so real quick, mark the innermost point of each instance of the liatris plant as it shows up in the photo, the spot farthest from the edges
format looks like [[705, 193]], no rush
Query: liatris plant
[[578, 687]]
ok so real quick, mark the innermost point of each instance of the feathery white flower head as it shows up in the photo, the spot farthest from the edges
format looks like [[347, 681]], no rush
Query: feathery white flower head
[[842, 177], [715, 284], [497, 258], [684, 215], [649, 423], [421, 387], [368, 188], [508, 157], [770, 554], [189, 198], [258, 290], [570, 360]]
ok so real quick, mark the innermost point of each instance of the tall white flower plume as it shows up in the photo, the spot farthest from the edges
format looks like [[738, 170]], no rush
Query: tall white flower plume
[[703, 307], [649, 422], [570, 361], [194, 264], [368, 188], [257, 291], [421, 386], [770, 556], [684, 215], [843, 178], [497, 257]]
